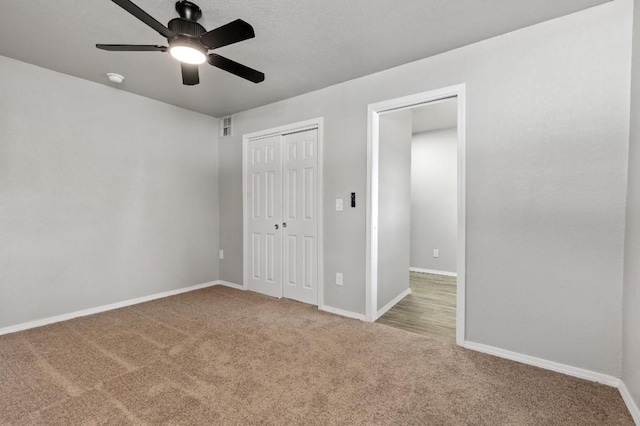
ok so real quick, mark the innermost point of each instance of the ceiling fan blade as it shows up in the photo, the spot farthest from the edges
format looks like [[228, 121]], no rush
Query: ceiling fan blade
[[230, 33], [132, 47], [144, 17], [190, 75], [235, 68]]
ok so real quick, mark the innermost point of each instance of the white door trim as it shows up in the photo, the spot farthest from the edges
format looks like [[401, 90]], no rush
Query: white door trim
[[373, 142], [315, 123]]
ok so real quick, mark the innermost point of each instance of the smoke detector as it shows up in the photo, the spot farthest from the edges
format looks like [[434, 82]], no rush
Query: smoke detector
[[115, 78]]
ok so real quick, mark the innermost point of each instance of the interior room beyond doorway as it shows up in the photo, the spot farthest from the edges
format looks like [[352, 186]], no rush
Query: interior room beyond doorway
[[430, 306]]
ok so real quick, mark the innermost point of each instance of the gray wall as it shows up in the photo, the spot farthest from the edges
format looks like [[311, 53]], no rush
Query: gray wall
[[104, 195], [394, 205], [434, 199], [547, 142], [631, 320]]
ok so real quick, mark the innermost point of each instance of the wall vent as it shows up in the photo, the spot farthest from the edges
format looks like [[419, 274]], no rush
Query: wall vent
[[225, 126]]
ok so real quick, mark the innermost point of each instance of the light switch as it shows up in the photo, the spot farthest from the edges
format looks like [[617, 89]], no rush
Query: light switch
[[339, 204]]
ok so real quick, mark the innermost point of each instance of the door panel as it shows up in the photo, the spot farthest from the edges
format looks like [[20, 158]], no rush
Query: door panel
[[291, 193], [308, 203], [291, 249], [300, 207], [264, 198]]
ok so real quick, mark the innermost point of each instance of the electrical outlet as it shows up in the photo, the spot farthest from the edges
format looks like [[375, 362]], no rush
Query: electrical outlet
[[220, 254], [339, 278], [436, 253]]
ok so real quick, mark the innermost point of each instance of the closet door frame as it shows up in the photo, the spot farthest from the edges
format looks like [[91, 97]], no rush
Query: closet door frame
[[316, 123]]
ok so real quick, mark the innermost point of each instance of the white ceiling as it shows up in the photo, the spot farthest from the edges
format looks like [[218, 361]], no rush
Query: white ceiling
[[435, 116], [301, 45]]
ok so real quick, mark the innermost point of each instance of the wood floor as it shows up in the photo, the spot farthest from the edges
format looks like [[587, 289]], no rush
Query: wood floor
[[430, 309]]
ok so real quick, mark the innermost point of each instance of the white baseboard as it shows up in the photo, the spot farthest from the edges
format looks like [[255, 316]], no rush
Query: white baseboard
[[103, 308], [229, 284], [432, 271], [631, 404], [605, 379], [391, 304], [343, 313]]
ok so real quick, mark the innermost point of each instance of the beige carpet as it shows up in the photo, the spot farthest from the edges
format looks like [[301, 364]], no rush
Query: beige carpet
[[222, 356]]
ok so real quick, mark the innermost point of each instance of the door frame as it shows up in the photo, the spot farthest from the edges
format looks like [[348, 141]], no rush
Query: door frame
[[373, 150], [315, 123]]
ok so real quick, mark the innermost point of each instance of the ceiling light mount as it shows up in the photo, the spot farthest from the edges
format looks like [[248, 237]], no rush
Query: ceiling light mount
[[189, 11]]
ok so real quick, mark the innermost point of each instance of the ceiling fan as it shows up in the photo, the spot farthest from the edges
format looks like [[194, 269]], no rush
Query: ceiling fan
[[190, 43]]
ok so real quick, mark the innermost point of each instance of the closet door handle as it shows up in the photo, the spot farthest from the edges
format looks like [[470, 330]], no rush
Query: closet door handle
[[284, 224], [277, 226]]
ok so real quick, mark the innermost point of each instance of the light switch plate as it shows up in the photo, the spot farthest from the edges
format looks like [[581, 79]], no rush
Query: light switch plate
[[339, 204]]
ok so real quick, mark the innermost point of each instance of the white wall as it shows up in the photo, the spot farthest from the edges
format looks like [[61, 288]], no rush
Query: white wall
[[104, 195], [547, 140], [631, 320], [394, 201], [434, 199]]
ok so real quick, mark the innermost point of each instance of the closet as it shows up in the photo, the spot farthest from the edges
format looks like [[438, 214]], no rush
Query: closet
[[281, 214]]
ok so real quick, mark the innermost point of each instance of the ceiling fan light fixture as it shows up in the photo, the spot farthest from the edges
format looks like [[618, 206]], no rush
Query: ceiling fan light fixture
[[190, 42], [188, 54]]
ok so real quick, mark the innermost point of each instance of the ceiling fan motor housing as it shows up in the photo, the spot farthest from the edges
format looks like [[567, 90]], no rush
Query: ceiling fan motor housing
[[187, 31], [184, 27], [186, 34]]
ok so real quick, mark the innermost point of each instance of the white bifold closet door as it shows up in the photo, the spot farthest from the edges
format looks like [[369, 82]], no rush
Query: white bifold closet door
[[282, 197], [264, 196]]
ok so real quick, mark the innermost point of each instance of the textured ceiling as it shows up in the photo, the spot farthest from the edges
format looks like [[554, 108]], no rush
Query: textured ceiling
[[301, 45]]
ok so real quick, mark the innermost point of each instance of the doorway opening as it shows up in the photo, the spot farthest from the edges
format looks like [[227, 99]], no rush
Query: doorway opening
[[416, 213], [282, 205]]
